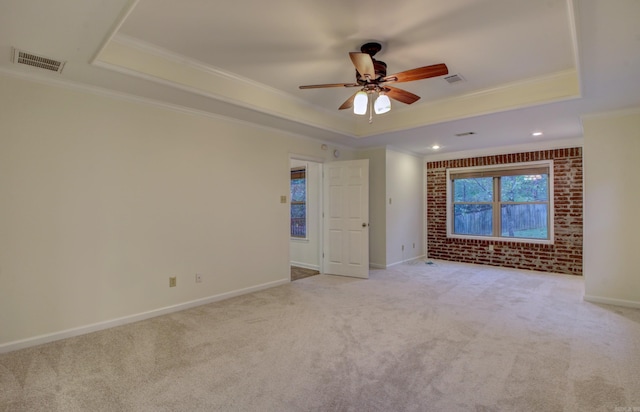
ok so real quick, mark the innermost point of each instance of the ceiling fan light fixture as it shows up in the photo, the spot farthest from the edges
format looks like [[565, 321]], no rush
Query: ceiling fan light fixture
[[360, 103], [382, 104]]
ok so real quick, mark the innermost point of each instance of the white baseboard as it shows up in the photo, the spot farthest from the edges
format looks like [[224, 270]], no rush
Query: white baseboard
[[82, 330], [305, 265], [405, 261], [381, 266], [611, 301]]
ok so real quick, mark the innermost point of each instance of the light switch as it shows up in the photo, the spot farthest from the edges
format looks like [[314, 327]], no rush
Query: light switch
[[283, 199]]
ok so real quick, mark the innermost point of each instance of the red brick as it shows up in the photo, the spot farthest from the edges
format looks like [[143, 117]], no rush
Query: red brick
[[565, 256]]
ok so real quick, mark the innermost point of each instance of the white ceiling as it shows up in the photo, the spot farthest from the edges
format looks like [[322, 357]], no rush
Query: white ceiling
[[528, 65]]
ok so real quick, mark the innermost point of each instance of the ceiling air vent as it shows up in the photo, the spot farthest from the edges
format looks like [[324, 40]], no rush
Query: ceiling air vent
[[30, 59], [454, 78]]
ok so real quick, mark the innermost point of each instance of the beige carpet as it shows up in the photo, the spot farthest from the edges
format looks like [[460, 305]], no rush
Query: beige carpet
[[443, 337]]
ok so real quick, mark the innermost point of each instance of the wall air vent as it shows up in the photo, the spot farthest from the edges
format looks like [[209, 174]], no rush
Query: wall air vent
[[465, 134], [31, 59], [454, 78]]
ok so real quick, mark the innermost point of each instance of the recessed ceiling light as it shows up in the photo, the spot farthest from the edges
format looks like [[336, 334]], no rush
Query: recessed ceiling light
[[435, 147], [536, 134]]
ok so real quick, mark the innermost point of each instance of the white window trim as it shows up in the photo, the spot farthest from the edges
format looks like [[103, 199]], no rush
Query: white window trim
[[449, 203]]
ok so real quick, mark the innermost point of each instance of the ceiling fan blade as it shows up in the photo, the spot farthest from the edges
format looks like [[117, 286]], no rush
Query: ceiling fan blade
[[348, 103], [401, 95], [321, 86], [418, 74], [364, 64]]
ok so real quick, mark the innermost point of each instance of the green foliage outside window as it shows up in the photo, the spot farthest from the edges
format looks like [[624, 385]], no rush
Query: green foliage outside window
[[511, 205], [298, 203]]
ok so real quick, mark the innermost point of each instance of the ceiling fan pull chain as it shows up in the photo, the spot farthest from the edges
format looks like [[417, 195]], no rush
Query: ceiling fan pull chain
[[370, 108]]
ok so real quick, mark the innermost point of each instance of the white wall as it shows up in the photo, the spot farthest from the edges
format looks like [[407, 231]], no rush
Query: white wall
[[405, 213], [612, 202], [104, 199], [377, 206], [399, 177], [306, 252]]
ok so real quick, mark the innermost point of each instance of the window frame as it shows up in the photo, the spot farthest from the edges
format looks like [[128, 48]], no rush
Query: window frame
[[501, 170], [305, 170]]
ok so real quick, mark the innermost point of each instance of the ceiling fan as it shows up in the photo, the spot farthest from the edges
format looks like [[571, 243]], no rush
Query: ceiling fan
[[371, 77]]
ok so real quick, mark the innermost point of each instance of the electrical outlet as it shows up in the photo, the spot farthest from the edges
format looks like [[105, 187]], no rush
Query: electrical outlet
[[198, 278], [490, 248], [172, 282]]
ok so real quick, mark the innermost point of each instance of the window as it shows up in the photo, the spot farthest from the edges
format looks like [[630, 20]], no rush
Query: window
[[511, 202], [299, 202]]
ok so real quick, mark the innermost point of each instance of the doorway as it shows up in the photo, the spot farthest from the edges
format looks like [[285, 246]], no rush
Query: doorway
[[305, 245]]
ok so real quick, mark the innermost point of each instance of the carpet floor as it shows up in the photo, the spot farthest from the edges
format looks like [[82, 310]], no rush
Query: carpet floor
[[416, 337]]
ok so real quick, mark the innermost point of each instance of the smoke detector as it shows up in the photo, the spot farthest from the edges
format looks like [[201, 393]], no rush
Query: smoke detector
[[34, 60]]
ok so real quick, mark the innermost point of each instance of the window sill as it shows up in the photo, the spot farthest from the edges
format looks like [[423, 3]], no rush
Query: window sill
[[491, 239], [300, 239]]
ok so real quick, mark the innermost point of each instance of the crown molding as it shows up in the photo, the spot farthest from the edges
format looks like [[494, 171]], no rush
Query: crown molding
[[108, 93], [499, 150], [196, 64], [535, 91], [628, 111], [136, 58]]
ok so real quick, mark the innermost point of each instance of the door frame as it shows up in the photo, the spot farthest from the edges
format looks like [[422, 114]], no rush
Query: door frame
[[320, 207]]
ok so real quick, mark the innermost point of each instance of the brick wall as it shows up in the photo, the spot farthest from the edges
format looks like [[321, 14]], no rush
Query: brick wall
[[564, 256]]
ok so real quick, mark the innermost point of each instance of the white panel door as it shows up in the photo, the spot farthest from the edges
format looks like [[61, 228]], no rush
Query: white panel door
[[346, 215]]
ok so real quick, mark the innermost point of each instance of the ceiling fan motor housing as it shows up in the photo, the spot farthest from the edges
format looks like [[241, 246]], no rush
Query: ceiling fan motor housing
[[380, 69], [371, 48]]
